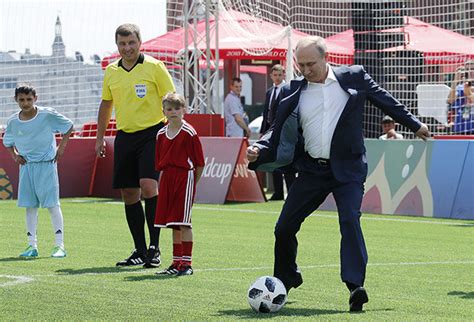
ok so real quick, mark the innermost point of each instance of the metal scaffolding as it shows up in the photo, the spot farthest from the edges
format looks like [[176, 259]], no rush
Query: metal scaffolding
[[201, 65]]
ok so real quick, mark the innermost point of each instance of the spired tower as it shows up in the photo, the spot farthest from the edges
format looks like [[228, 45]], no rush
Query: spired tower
[[59, 49]]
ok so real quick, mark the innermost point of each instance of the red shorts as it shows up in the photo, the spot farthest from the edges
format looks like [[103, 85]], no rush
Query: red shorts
[[175, 197]]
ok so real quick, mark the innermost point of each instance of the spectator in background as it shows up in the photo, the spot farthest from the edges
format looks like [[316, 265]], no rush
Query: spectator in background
[[461, 95], [388, 127], [272, 99], [135, 85], [236, 122]]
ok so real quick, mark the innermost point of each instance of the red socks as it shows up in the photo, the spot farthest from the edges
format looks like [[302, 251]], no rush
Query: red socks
[[187, 253], [182, 253], [177, 254]]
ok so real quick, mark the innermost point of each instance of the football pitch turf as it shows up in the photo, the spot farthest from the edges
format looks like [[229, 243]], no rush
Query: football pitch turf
[[420, 269]]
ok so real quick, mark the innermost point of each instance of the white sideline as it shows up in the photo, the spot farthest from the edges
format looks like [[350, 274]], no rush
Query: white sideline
[[16, 280], [335, 217], [336, 266], [26, 279], [253, 211]]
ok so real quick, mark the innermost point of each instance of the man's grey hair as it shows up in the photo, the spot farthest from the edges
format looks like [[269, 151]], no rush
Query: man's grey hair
[[316, 41]]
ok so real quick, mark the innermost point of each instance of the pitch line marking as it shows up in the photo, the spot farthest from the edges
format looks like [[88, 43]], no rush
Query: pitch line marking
[[335, 217], [314, 214], [16, 280], [335, 266], [148, 272]]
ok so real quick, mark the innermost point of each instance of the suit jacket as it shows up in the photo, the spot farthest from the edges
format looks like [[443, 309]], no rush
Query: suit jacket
[[283, 144], [265, 122]]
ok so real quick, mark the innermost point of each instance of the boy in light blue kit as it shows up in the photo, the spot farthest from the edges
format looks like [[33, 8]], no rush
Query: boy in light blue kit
[[30, 140]]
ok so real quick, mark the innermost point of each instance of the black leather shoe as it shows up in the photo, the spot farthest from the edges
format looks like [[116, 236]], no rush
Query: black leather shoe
[[297, 282], [357, 299]]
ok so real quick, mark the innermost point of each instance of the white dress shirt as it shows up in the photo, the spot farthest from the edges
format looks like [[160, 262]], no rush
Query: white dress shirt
[[320, 107], [278, 89], [398, 136]]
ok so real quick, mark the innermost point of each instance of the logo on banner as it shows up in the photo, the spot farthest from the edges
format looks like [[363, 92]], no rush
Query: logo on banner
[[140, 90], [216, 170], [242, 171]]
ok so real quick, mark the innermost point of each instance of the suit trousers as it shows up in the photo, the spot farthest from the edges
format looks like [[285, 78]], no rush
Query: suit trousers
[[307, 193]]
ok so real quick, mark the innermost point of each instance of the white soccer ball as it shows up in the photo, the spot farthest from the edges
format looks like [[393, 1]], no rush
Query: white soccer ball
[[267, 294]]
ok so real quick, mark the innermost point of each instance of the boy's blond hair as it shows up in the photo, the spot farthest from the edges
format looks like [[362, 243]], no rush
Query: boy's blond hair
[[174, 99]]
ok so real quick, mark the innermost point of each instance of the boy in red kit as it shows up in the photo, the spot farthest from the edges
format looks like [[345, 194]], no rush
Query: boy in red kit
[[180, 159]]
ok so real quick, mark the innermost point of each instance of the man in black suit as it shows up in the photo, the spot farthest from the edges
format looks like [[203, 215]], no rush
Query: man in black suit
[[319, 130], [272, 99]]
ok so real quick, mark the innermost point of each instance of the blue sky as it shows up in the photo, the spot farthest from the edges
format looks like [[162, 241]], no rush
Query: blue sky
[[88, 26]]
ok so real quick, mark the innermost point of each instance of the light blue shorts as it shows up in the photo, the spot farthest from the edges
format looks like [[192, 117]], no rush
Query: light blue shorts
[[38, 185]]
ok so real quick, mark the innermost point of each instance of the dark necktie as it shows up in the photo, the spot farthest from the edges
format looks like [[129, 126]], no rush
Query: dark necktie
[[271, 107]]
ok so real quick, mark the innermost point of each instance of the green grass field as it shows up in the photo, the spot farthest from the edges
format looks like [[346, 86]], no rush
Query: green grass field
[[419, 269]]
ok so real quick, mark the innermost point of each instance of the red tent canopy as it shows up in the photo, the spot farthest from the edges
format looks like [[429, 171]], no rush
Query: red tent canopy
[[167, 46], [232, 45], [439, 46]]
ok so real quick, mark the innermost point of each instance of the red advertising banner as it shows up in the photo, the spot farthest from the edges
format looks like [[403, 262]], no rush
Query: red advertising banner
[[206, 124], [101, 186], [220, 155], [75, 168], [225, 175], [9, 171]]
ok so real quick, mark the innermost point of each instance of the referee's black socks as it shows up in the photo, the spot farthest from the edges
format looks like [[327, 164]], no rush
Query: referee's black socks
[[150, 212], [136, 222]]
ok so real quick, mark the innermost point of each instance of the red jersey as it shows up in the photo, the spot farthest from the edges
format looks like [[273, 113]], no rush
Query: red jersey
[[184, 150]]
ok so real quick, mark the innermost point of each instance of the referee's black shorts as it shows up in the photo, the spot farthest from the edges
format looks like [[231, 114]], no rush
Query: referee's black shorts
[[134, 157]]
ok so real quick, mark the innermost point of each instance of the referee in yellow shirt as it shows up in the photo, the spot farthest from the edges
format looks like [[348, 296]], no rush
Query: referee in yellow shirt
[[134, 85]]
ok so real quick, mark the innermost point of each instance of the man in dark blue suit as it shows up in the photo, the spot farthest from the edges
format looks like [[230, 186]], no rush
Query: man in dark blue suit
[[319, 130], [272, 99]]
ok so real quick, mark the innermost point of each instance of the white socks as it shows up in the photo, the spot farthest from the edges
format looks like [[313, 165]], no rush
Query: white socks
[[31, 224], [57, 222]]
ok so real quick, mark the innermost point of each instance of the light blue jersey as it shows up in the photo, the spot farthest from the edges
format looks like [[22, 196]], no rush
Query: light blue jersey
[[34, 139]]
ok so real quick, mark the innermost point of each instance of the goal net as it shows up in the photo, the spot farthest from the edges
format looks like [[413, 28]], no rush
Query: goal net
[[412, 48]]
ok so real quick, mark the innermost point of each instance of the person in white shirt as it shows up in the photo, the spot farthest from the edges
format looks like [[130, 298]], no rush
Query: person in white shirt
[[236, 121], [319, 130]]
